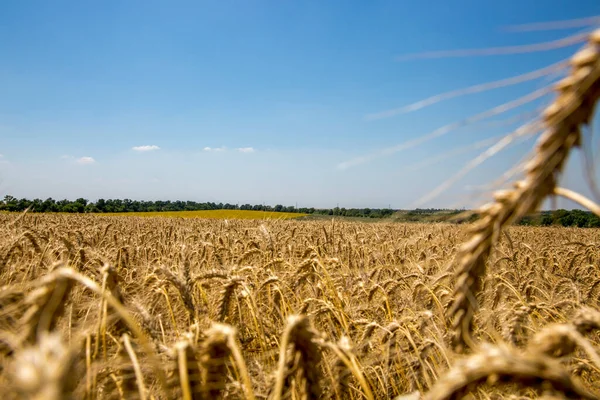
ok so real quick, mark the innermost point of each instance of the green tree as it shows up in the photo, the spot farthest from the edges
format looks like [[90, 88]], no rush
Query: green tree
[[50, 205], [580, 218], [79, 205], [546, 220], [101, 205], [594, 221], [10, 203], [37, 205]]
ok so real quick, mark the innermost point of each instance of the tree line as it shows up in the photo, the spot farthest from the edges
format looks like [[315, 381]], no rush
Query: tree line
[[561, 217], [81, 205]]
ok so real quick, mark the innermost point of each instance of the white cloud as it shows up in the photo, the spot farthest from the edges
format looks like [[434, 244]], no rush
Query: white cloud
[[223, 148], [146, 148], [85, 160], [215, 149], [352, 163], [81, 160]]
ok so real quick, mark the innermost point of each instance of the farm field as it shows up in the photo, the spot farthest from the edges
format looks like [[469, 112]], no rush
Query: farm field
[[319, 106], [138, 308], [213, 214]]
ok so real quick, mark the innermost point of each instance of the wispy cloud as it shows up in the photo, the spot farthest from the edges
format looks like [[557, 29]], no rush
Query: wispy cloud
[[469, 90], [215, 149], [529, 127], [223, 148], [3, 160], [146, 148], [354, 162], [85, 160]]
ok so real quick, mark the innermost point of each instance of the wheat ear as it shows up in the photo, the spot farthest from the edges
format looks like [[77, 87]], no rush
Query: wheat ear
[[47, 305], [300, 337], [572, 109], [45, 370], [503, 364], [214, 354]]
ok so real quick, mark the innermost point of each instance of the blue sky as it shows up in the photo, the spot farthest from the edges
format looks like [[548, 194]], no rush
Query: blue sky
[[260, 101]]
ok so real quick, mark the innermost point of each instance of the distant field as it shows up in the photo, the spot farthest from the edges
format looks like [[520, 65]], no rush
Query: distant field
[[214, 214]]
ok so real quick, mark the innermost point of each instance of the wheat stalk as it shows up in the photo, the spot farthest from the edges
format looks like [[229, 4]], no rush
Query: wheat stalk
[[564, 118]]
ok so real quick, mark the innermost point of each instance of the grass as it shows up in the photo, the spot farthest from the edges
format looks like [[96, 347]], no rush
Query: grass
[[213, 214]]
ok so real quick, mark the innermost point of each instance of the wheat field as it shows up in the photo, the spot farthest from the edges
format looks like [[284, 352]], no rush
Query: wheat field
[[214, 214], [128, 307]]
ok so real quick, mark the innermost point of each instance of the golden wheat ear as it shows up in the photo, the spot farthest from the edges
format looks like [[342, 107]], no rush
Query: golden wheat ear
[[45, 370], [496, 364], [564, 118], [299, 352], [215, 352], [46, 305]]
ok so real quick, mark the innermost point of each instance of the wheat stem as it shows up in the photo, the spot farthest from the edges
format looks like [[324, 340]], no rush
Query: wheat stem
[[136, 367]]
